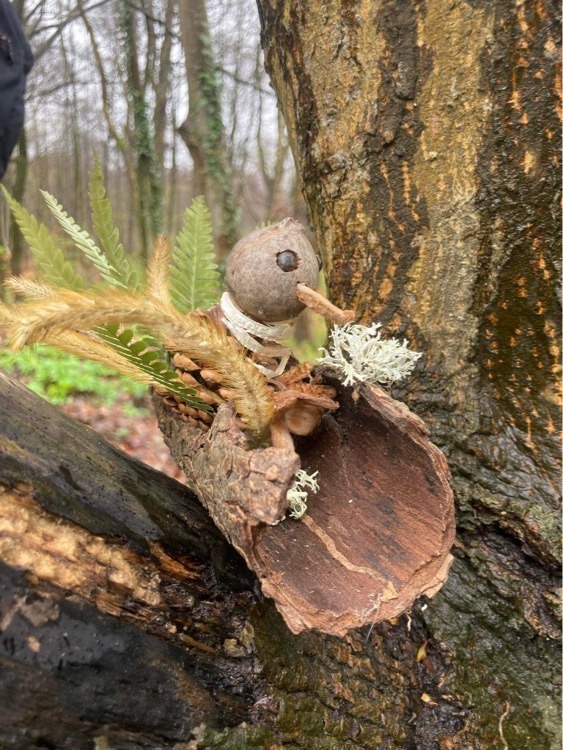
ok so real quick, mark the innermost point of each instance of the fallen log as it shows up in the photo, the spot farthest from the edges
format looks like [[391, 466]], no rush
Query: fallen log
[[120, 601]]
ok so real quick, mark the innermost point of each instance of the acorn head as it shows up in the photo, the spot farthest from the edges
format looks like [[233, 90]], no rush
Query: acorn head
[[263, 271]]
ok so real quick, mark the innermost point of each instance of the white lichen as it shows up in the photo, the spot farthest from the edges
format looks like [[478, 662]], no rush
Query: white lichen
[[358, 354], [299, 492]]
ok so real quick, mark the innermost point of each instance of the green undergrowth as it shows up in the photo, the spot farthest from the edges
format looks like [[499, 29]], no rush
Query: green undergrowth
[[58, 377]]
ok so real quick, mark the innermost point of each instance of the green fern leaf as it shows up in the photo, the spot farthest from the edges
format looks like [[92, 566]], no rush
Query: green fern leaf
[[107, 233], [194, 273], [140, 353], [84, 242], [48, 256]]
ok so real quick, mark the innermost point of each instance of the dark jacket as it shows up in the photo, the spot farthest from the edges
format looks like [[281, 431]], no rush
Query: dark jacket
[[16, 60]]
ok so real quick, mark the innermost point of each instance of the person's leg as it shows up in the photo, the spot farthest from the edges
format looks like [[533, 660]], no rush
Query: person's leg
[[8, 141]]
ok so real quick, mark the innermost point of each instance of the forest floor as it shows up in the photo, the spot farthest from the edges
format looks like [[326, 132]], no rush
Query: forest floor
[[113, 406], [133, 431]]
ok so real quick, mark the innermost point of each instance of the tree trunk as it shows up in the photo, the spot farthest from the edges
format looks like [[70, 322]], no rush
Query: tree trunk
[[426, 138], [162, 87], [149, 211], [203, 131], [121, 141], [18, 190], [18, 245]]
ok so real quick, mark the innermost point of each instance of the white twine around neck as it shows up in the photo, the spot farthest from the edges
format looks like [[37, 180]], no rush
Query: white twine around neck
[[245, 329]]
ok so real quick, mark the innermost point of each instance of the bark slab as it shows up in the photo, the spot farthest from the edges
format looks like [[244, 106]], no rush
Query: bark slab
[[376, 536]]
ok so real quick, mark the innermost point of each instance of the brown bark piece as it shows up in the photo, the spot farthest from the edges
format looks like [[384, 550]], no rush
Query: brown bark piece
[[375, 537], [239, 487]]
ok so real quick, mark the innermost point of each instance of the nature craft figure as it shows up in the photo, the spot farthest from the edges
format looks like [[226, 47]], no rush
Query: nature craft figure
[[230, 351], [271, 277], [229, 398]]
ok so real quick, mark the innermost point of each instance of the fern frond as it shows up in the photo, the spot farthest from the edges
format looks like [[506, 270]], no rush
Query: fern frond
[[158, 270], [46, 253], [106, 232], [195, 335], [29, 288], [141, 355], [194, 273], [84, 242]]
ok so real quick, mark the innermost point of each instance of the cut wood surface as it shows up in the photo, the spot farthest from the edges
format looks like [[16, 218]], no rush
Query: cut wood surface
[[375, 537]]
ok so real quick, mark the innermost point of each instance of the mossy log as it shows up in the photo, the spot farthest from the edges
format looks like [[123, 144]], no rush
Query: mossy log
[[375, 537]]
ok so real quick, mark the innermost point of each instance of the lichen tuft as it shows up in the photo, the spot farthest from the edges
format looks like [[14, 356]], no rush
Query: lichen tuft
[[358, 354]]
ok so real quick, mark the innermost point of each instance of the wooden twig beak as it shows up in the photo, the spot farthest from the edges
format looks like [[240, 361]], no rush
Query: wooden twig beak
[[321, 305]]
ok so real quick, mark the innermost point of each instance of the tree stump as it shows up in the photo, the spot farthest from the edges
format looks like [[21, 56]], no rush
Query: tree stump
[[375, 537]]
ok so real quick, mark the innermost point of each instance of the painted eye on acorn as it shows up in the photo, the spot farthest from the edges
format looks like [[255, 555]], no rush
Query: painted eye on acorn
[[287, 261]]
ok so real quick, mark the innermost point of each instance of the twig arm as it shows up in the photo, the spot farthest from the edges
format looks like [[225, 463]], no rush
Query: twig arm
[[321, 305]]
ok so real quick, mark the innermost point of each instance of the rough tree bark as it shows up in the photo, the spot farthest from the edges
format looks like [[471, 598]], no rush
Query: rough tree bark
[[426, 138]]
